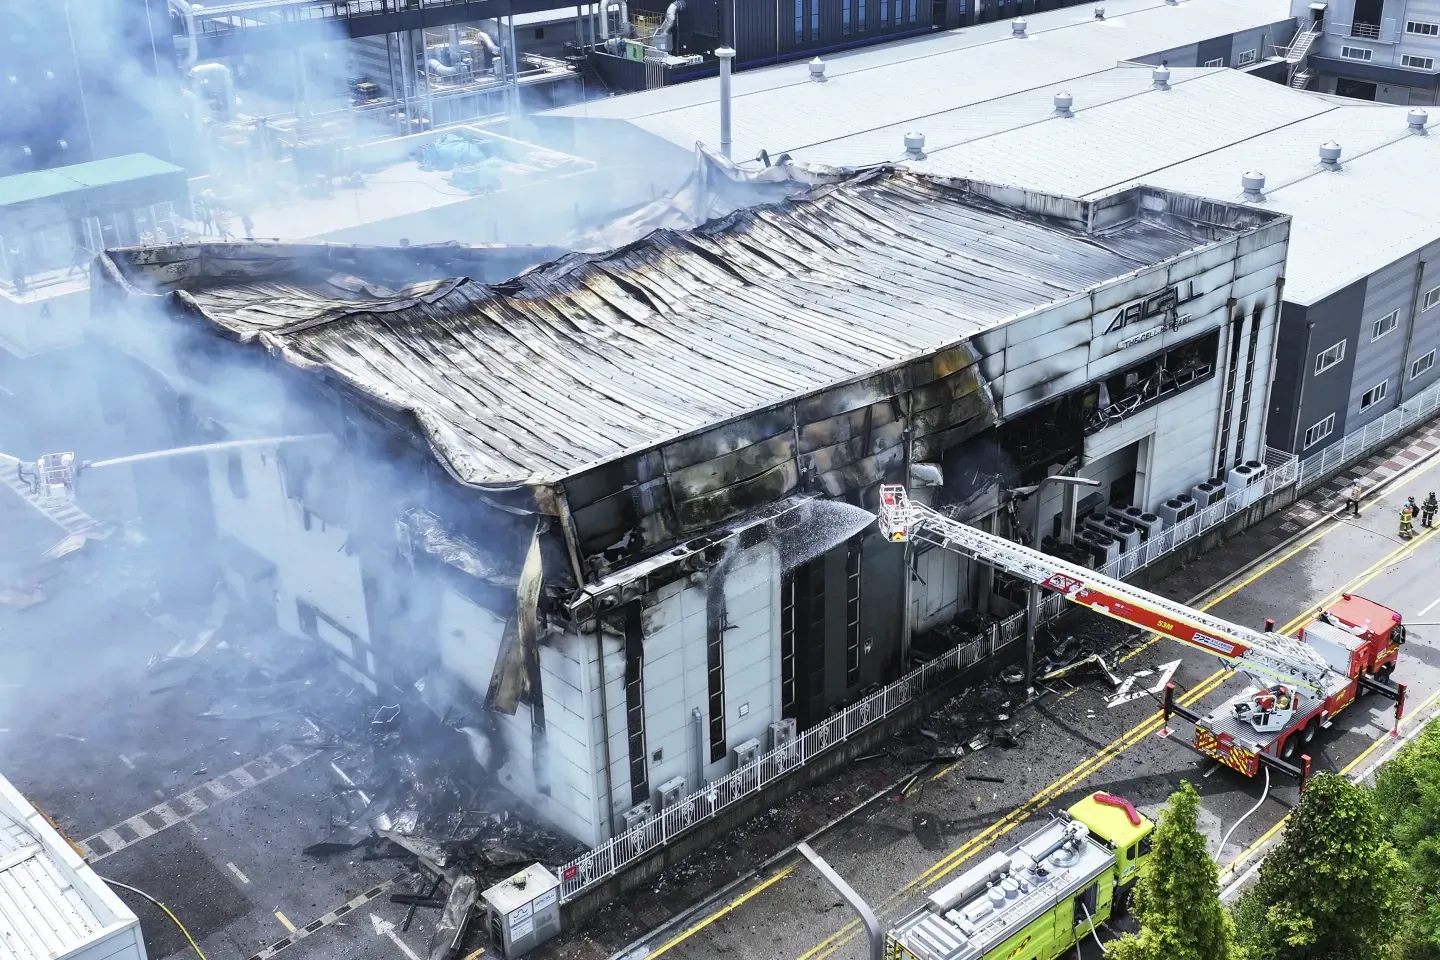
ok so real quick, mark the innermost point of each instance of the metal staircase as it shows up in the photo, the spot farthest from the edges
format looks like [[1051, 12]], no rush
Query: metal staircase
[[1297, 53]]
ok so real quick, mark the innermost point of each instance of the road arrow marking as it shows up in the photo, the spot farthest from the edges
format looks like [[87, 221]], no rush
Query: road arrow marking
[[1126, 693]]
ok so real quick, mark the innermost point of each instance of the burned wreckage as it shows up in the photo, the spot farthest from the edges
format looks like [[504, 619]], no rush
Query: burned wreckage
[[614, 506]]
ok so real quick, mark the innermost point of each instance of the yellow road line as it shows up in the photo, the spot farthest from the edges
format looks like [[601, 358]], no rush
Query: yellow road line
[[753, 891], [1249, 851], [1007, 823], [284, 921]]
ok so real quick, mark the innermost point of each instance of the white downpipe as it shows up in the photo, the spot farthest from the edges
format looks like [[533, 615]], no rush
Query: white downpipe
[[187, 13], [726, 55], [662, 38]]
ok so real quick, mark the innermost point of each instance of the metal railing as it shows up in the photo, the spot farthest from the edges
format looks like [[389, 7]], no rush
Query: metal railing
[[1359, 443], [614, 855], [1365, 31]]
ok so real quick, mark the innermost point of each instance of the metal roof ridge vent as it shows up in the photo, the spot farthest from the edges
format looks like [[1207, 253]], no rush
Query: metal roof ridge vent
[[1253, 183], [1063, 103], [1161, 76], [914, 146], [1330, 155], [1099, 11], [817, 70], [1418, 120], [1017, 28]]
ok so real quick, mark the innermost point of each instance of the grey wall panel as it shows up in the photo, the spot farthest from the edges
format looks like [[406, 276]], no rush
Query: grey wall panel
[[1380, 361], [1285, 385], [1209, 51], [1334, 319], [1426, 332]]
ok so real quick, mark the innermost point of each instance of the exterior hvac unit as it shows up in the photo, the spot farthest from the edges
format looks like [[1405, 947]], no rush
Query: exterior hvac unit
[[638, 814], [1211, 491], [1148, 524], [672, 792], [1129, 535], [523, 911], [1249, 480], [1176, 509], [746, 753], [782, 733]]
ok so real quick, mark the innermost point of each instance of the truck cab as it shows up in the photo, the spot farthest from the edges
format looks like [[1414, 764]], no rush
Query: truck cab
[[1128, 833]]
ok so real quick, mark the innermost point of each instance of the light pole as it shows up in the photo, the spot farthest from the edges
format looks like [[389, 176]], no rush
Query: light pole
[[1067, 526]]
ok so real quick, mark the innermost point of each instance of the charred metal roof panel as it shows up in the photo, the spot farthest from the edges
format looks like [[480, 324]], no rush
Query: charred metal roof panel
[[591, 357]]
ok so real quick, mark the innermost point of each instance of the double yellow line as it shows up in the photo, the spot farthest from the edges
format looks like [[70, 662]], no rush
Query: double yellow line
[[1020, 814]]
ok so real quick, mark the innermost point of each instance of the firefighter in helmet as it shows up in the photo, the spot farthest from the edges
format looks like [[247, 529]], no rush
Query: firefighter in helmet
[[1427, 510], [1407, 527]]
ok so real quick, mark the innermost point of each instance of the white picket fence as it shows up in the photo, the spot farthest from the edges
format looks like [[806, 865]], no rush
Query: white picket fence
[[1282, 471]]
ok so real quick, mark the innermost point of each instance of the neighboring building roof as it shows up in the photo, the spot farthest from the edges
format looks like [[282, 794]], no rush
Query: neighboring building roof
[[1198, 138], [57, 182], [779, 109], [51, 902], [592, 357]]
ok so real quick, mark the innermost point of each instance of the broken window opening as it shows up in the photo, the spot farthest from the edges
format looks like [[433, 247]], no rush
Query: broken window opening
[[1150, 381], [715, 661], [635, 702]]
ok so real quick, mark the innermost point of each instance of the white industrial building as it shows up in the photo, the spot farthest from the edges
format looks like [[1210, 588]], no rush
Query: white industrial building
[[52, 905], [621, 497]]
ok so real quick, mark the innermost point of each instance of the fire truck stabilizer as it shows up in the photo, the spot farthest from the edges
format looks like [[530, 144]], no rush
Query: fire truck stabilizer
[[1297, 684], [1036, 900]]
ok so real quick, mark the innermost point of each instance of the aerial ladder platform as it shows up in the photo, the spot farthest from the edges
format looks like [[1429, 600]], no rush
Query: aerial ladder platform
[[1297, 683]]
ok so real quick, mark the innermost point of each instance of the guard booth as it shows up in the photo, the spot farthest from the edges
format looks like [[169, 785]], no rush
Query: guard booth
[[523, 911]]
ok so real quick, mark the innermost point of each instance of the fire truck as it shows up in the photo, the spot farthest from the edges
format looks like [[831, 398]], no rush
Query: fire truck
[[1297, 685], [1037, 900]]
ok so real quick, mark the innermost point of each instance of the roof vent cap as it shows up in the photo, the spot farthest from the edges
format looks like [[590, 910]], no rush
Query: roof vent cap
[[1418, 120], [1173, 3], [1063, 103], [1017, 27], [1253, 182], [1330, 155], [817, 70], [1099, 11], [1161, 76], [914, 146]]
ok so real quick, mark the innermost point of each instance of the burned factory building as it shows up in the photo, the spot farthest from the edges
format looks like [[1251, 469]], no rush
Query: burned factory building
[[619, 504]]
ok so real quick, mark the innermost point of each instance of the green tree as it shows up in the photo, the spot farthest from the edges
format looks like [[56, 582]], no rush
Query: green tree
[[1178, 897], [1407, 799], [1333, 889]]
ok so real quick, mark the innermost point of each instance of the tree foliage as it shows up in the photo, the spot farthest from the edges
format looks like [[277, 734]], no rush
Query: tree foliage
[[1178, 896], [1333, 889], [1407, 800]]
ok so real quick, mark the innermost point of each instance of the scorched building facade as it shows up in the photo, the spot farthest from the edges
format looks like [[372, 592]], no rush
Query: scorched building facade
[[613, 513]]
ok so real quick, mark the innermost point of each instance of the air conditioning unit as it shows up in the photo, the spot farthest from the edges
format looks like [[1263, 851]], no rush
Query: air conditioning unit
[[1174, 511], [1187, 505], [1129, 535], [1250, 478], [782, 734], [1150, 524], [672, 792], [745, 753], [1211, 491], [1095, 523], [638, 814]]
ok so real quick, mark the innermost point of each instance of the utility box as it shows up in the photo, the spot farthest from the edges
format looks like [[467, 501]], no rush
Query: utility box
[[523, 912]]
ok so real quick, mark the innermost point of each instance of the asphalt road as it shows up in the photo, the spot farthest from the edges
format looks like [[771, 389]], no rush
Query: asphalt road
[[897, 853]]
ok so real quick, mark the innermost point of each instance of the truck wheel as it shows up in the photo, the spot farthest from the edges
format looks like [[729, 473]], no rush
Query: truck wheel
[[1384, 672], [1123, 896], [1287, 749], [1307, 733]]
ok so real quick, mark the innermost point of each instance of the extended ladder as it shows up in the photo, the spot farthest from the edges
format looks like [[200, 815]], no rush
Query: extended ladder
[[1254, 652]]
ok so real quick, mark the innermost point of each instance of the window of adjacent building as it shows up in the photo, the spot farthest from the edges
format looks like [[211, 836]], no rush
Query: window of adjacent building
[[1356, 53], [845, 17], [814, 19], [1329, 357], [914, 10], [1374, 395], [1432, 297], [1384, 325], [1320, 431], [1418, 63], [799, 21], [860, 13], [1245, 57], [885, 12], [1422, 28], [1422, 365], [1217, 62]]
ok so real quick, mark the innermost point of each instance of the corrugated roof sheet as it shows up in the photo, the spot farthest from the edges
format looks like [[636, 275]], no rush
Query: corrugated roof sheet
[[51, 184], [48, 907], [779, 109], [1198, 138], [591, 357]]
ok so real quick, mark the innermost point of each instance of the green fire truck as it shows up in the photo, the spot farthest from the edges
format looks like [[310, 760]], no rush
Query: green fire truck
[[1034, 902]]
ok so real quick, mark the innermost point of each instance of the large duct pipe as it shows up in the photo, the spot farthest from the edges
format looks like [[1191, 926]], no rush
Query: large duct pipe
[[726, 55], [216, 82], [187, 13], [454, 40], [439, 69], [662, 39]]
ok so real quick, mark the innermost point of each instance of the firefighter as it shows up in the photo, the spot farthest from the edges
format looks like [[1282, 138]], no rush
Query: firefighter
[[1427, 510], [1407, 528], [1414, 507], [1352, 498]]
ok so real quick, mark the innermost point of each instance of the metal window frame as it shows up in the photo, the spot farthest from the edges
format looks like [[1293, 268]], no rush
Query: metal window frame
[[1217, 62], [1246, 57], [1367, 401], [1417, 63], [1328, 422], [1432, 29], [1393, 316], [1429, 299], [1346, 51], [1339, 358], [1428, 359]]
